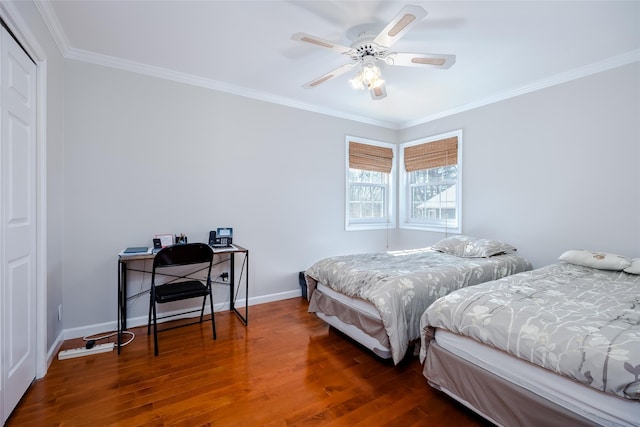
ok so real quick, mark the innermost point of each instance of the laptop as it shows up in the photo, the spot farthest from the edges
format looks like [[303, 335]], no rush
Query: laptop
[[136, 250]]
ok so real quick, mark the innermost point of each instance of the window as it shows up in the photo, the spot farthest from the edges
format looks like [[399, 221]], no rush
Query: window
[[369, 194], [431, 183]]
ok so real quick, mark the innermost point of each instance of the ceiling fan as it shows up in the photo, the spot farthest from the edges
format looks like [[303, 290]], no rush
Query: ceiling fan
[[367, 49]]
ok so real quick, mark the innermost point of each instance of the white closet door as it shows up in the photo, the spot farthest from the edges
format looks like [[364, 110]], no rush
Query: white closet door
[[18, 218]]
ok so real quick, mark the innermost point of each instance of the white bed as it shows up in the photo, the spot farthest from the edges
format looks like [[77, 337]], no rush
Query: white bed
[[377, 298], [559, 345]]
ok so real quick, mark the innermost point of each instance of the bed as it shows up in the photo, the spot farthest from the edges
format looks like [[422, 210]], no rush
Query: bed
[[559, 345], [377, 298]]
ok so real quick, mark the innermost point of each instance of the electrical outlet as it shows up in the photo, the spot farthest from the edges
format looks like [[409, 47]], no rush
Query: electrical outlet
[[60, 313]]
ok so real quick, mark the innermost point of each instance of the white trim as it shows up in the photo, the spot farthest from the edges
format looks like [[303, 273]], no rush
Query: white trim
[[190, 79], [567, 76], [136, 67], [53, 24], [41, 234], [29, 42], [50, 18], [403, 199], [53, 350], [163, 73], [133, 322]]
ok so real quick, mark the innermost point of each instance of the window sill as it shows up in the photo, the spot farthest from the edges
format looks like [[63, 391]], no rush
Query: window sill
[[430, 227], [369, 226]]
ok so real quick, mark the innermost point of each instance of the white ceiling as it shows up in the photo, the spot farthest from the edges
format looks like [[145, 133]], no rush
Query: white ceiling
[[503, 48]]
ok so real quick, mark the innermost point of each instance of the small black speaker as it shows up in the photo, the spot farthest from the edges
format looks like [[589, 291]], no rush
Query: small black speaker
[[212, 238]]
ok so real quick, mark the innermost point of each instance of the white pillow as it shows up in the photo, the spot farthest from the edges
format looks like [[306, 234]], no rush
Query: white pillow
[[634, 268], [599, 260], [472, 247]]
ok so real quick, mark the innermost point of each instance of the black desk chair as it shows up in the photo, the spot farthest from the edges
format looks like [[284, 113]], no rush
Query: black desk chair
[[182, 286]]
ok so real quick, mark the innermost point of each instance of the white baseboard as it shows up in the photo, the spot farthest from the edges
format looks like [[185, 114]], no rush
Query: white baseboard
[[132, 322], [53, 350]]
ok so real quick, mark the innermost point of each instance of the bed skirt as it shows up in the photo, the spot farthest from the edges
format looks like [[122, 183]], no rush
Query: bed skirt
[[499, 401], [354, 317]]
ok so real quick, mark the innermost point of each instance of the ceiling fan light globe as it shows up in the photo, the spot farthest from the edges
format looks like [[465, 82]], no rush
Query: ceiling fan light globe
[[376, 84], [356, 83], [371, 76], [370, 72]]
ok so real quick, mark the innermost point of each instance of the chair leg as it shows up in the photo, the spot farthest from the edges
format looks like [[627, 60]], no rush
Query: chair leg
[[149, 320], [155, 331], [204, 302], [213, 319]]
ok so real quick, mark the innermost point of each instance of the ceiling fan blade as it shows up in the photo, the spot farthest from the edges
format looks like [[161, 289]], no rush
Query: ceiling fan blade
[[317, 41], [403, 22], [378, 92], [435, 60], [330, 75]]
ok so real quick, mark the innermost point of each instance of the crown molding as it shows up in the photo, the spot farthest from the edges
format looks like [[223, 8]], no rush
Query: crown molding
[[163, 73], [577, 73], [136, 67], [53, 24], [55, 28]]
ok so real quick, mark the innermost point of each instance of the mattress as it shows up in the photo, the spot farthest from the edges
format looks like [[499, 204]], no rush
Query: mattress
[[550, 395]]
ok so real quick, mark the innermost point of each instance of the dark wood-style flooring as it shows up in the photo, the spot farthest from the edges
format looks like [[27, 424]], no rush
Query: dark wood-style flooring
[[286, 368]]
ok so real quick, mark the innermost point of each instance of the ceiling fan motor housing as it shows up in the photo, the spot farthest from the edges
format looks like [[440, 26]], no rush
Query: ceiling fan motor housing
[[365, 47]]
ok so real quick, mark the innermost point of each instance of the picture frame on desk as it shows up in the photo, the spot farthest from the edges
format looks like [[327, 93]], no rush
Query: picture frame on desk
[[165, 239]]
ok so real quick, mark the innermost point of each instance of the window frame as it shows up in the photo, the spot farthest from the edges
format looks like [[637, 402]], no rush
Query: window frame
[[390, 191], [404, 192]]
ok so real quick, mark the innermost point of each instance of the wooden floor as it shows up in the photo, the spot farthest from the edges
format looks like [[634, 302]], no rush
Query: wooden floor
[[286, 368]]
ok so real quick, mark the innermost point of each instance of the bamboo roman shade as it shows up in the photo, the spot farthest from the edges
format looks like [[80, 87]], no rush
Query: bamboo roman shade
[[443, 152], [370, 157]]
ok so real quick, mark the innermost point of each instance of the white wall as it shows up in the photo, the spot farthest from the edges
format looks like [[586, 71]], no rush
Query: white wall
[[552, 170], [145, 155], [546, 171]]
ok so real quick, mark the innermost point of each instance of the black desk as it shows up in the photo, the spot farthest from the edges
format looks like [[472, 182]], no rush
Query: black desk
[[235, 250]]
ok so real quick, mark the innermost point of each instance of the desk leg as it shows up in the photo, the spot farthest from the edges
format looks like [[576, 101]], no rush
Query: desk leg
[[232, 279], [246, 289], [122, 300], [119, 331], [124, 296]]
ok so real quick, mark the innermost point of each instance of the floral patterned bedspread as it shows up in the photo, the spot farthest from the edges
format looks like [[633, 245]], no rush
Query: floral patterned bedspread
[[576, 321], [402, 284]]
